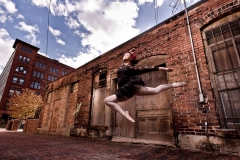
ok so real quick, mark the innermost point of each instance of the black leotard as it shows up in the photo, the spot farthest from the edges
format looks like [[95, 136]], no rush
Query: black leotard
[[128, 83]]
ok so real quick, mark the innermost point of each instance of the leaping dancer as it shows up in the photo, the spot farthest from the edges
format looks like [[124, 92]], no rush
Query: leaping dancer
[[129, 84]]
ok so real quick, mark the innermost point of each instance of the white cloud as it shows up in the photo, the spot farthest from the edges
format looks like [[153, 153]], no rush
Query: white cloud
[[43, 54], [55, 32], [19, 16], [80, 59], [157, 2], [3, 18], [58, 40], [31, 30], [110, 22], [6, 51], [10, 19], [72, 23], [110, 25], [8, 5], [42, 3]]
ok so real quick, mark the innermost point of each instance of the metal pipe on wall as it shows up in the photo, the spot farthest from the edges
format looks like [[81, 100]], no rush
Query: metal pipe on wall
[[201, 98]]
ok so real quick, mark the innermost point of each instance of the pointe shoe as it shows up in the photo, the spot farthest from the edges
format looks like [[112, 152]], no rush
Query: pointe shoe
[[126, 114], [179, 84]]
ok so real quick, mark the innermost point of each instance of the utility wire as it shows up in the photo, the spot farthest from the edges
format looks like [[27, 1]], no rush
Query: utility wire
[[155, 11], [49, 9]]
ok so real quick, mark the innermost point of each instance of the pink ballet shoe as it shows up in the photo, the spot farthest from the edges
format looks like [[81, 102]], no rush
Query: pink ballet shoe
[[179, 84], [126, 114]]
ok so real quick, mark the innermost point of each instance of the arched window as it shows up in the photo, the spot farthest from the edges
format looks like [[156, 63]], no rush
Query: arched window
[[36, 84], [21, 69]]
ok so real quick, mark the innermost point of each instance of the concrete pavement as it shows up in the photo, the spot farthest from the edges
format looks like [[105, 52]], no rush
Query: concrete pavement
[[23, 146]]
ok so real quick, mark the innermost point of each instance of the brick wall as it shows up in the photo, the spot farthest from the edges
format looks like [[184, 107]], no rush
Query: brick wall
[[171, 37], [31, 126]]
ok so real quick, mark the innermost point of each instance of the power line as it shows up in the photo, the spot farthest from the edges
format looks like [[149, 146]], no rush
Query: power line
[[156, 11], [49, 9]]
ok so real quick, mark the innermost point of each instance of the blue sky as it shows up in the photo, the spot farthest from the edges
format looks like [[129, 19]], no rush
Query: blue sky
[[79, 30]]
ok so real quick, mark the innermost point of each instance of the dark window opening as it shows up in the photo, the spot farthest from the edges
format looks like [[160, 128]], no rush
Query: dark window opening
[[102, 79]]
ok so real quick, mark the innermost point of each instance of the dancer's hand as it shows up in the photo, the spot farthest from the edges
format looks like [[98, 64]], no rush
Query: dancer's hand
[[168, 69], [165, 69], [132, 50]]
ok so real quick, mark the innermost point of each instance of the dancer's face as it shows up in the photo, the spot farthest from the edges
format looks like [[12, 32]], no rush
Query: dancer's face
[[127, 56]]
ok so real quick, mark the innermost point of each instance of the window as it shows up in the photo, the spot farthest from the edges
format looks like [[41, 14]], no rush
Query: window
[[24, 59], [26, 49], [223, 43], [36, 84], [49, 78], [21, 81], [21, 69], [44, 66], [40, 65], [11, 91], [34, 73], [102, 79], [42, 75], [14, 89], [15, 79], [38, 74], [51, 69], [36, 64]]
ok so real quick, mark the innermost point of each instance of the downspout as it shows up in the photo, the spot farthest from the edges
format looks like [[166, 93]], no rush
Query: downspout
[[201, 98]]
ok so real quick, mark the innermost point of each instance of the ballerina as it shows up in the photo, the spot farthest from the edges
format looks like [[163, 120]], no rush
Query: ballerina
[[129, 84]]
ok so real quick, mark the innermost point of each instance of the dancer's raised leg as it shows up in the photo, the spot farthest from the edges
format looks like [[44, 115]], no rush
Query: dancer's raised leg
[[111, 101], [152, 91]]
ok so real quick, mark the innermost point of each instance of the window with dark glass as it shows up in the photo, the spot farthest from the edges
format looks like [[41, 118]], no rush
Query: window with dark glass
[[15, 79], [21, 69], [42, 75], [38, 74], [21, 81], [36, 84], [11, 91], [102, 79]]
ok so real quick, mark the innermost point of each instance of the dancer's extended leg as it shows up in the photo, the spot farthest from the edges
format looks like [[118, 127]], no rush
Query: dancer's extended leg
[[111, 101], [151, 91]]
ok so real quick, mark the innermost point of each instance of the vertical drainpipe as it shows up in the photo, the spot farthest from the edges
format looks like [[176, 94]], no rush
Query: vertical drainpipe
[[201, 98]]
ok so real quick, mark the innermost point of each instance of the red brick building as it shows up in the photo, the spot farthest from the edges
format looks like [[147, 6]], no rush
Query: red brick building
[[204, 115], [28, 69]]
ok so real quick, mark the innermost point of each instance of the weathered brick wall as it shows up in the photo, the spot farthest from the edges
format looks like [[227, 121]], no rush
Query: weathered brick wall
[[31, 126], [171, 38]]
